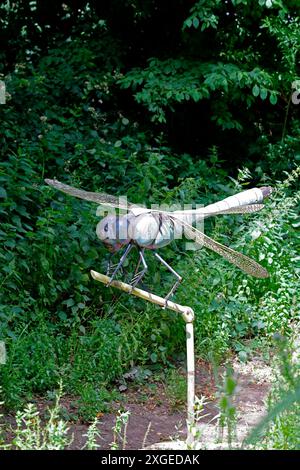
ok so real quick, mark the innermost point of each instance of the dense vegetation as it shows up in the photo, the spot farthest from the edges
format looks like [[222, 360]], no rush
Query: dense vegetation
[[164, 104]]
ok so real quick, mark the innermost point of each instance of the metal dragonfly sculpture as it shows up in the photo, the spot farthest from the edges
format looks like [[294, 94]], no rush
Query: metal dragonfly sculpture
[[153, 229]]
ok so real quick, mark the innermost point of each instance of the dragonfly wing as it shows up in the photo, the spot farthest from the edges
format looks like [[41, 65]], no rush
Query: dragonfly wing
[[248, 265], [100, 198]]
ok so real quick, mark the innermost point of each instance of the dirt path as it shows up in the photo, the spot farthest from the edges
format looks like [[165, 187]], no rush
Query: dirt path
[[167, 424]]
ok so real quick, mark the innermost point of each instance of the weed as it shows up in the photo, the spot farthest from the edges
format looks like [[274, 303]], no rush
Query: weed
[[176, 389], [120, 430]]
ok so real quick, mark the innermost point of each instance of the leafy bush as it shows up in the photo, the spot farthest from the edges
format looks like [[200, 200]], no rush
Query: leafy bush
[[31, 434], [39, 358]]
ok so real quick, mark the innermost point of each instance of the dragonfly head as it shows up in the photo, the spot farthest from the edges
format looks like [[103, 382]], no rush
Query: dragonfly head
[[113, 232]]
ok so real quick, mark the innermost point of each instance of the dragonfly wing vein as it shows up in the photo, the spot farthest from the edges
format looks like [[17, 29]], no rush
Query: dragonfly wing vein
[[248, 265], [100, 198]]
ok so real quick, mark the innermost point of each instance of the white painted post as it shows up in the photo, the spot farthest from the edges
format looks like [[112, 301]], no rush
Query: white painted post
[[190, 382], [2, 92]]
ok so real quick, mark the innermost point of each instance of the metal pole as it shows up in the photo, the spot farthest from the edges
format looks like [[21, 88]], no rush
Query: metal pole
[[186, 312], [190, 382]]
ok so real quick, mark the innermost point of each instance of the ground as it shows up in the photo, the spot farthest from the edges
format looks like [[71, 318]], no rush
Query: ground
[[157, 413]]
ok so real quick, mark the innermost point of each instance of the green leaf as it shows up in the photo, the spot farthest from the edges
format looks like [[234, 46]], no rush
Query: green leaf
[[243, 356], [263, 93], [82, 329], [153, 357], [3, 193], [196, 23], [188, 23], [69, 302], [230, 385], [273, 98], [62, 315], [255, 90]]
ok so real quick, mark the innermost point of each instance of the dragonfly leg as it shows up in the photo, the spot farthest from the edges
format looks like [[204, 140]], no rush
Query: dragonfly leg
[[139, 274], [178, 277], [120, 263], [112, 266]]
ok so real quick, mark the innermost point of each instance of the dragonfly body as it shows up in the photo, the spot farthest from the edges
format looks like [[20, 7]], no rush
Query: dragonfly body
[[153, 229], [147, 230]]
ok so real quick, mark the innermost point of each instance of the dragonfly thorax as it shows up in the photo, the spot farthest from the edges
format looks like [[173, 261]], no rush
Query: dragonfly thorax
[[151, 230], [147, 230]]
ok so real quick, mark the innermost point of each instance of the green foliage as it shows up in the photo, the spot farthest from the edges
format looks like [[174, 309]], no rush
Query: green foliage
[[176, 80], [93, 400], [176, 389], [226, 79], [86, 359], [120, 430], [91, 436], [227, 417], [280, 428], [32, 434], [149, 334], [202, 12]]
